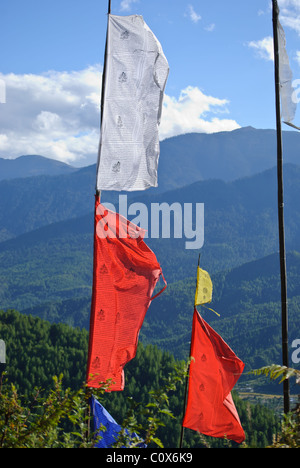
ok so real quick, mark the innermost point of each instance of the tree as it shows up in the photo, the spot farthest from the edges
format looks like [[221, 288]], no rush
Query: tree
[[290, 431], [61, 418]]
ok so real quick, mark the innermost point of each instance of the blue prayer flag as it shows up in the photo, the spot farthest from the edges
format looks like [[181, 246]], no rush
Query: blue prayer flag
[[111, 432]]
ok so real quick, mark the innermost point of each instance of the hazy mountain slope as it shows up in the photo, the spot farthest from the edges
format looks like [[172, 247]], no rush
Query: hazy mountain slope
[[56, 261], [225, 155], [29, 203], [32, 165]]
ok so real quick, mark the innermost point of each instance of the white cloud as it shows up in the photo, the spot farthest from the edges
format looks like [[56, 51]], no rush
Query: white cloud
[[189, 112], [289, 18], [194, 17], [264, 48], [57, 115], [290, 14], [211, 27], [126, 4]]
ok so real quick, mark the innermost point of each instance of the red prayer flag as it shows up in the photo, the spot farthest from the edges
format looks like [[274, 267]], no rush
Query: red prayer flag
[[214, 371], [126, 272]]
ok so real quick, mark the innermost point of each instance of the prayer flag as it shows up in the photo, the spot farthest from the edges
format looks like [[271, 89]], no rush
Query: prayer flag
[[126, 272], [214, 370], [106, 427], [288, 102], [204, 287], [135, 79]]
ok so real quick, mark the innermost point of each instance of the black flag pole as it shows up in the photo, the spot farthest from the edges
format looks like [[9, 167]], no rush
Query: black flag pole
[[282, 254], [185, 401], [186, 386], [104, 67], [98, 192]]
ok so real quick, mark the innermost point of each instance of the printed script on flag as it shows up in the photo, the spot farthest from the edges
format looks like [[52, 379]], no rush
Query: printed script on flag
[[135, 79], [204, 287]]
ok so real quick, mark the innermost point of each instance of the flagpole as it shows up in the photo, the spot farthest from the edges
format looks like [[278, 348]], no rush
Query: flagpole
[[282, 254], [98, 196], [186, 385], [185, 400], [104, 67], [98, 192]]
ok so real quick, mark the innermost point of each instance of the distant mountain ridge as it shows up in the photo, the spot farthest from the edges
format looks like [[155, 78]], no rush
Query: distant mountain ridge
[[225, 155], [32, 165], [187, 158]]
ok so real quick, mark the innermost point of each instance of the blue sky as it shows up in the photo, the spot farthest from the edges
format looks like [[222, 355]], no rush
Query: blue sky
[[51, 58]]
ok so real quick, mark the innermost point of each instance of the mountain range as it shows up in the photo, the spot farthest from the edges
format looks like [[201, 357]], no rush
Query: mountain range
[[240, 223], [32, 165], [46, 241], [188, 158], [35, 201]]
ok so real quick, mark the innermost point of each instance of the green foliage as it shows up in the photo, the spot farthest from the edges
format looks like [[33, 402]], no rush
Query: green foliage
[[37, 350], [275, 371], [37, 422], [40, 421], [153, 414], [152, 399], [289, 437]]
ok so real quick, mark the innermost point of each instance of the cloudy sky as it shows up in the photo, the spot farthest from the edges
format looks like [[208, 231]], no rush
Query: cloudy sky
[[51, 58]]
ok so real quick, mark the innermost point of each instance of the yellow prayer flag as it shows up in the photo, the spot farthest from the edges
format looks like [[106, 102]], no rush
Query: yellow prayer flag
[[204, 287]]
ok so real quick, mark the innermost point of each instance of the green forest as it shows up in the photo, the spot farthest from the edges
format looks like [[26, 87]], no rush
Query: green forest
[[46, 269], [37, 351]]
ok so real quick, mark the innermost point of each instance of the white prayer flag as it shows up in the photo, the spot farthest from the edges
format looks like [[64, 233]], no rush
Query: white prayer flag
[[288, 104], [136, 76]]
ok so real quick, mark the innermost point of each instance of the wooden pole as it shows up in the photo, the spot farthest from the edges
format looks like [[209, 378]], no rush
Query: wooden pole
[[282, 254]]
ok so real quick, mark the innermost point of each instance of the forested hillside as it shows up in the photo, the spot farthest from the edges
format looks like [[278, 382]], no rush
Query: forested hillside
[[247, 299], [46, 250], [37, 350]]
